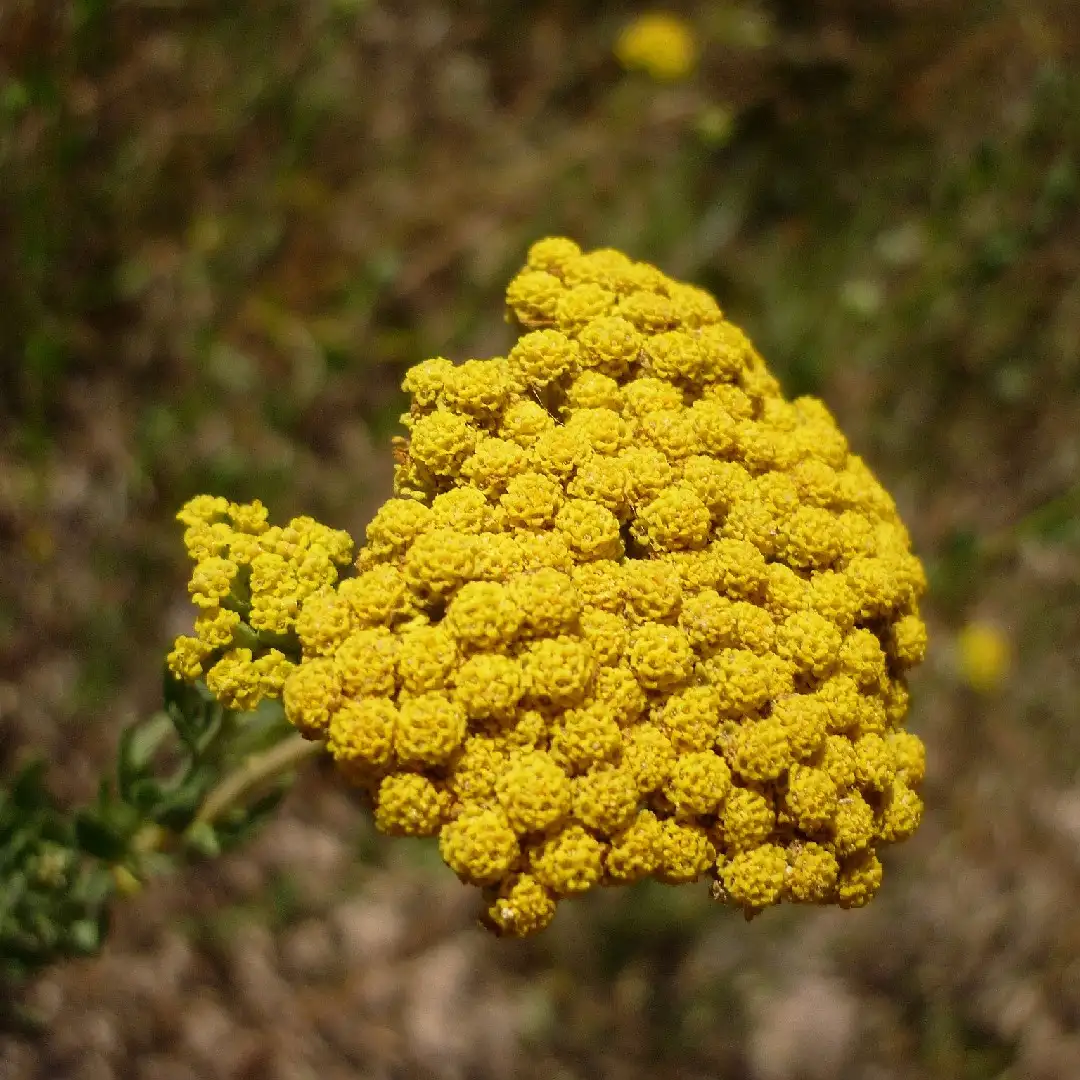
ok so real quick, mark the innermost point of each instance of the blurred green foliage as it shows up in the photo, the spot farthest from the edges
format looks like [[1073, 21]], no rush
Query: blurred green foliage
[[52, 900], [192, 780]]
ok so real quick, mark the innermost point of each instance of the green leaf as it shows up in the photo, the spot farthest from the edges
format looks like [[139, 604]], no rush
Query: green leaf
[[106, 831], [12, 890], [193, 710], [177, 807], [28, 791], [138, 745], [260, 730], [94, 888], [84, 936], [145, 794], [238, 828], [203, 839], [18, 843]]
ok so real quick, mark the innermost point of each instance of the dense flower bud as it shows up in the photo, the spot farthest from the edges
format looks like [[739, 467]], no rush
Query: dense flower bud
[[754, 879], [569, 861], [479, 846], [522, 906], [533, 791], [408, 804], [636, 852], [660, 656], [605, 798], [698, 783], [311, 694], [812, 874], [747, 819], [366, 663], [442, 440], [585, 737], [483, 615], [649, 755], [531, 500], [557, 670], [362, 732], [542, 357], [686, 852], [489, 685], [430, 727], [591, 531]]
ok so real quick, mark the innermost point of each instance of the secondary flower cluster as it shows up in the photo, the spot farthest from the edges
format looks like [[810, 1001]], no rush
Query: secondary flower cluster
[[250, 582], [629, 614]]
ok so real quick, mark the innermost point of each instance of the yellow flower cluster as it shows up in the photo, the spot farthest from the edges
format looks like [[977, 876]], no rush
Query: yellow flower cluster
[[249, 582], [630, 614], [660, 44]]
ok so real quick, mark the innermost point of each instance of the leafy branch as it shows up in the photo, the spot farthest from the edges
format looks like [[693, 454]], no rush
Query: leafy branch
[[194, 779]]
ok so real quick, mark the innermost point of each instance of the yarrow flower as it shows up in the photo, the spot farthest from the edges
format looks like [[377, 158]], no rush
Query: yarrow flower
[[630, 613], [661, 44]]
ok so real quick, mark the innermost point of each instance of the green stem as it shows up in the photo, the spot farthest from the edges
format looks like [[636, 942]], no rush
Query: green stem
[[256, 771]]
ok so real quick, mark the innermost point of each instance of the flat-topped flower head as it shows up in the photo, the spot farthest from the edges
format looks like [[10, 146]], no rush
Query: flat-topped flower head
[[630, 614]]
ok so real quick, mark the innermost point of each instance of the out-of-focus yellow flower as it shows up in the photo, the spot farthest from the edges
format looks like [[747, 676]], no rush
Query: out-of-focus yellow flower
[[661, 44], [983, 655], [630, 614]]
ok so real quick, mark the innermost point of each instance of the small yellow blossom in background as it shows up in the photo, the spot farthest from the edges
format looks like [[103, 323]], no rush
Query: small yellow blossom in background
[[983, 656], [630, 613], [661, 44]]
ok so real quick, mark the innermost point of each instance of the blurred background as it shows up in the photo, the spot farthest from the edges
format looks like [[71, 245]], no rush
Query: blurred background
[[227, 230]]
